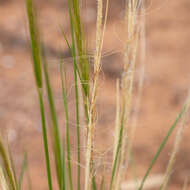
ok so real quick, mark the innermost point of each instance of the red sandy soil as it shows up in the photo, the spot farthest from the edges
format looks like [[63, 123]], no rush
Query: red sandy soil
[[165, 87]]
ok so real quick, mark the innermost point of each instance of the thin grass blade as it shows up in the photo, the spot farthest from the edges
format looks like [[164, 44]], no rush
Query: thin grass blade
[[80, 49], [75, 69], [23, 169], [117, 154], [162, 146], [64, 94], [176, 147], [36, 54], [35, 42], [94, 187], [57, 144]]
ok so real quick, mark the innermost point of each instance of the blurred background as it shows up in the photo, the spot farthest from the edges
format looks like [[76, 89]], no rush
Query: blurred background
[[166, 80]]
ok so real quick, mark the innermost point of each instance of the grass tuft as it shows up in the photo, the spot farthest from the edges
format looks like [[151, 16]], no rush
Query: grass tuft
[[86, 83]]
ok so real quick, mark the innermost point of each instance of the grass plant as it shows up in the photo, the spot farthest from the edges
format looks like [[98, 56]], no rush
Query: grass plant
[[87, 79]]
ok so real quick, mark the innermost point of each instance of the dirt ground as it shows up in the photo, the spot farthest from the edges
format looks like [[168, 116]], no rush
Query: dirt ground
[[165, 87]]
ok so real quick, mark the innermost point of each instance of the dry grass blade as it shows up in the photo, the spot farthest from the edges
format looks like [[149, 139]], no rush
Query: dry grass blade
[[3, 181], [7, 167]]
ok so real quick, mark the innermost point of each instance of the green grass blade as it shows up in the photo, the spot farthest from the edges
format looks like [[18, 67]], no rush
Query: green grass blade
[[161, 147], [56, 133], [84, 64], [66, 40], [80, 44], [75, 69], [119, 144], [36, 54], [94, 187], [77, 118], [23, 168], [64, 94], [71, 51], [58, 148], [45, 140], [35, 42], [117, 151]]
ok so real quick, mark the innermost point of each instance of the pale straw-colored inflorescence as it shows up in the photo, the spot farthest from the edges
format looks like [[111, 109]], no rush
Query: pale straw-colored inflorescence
[[100, 30], [132, 28]]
